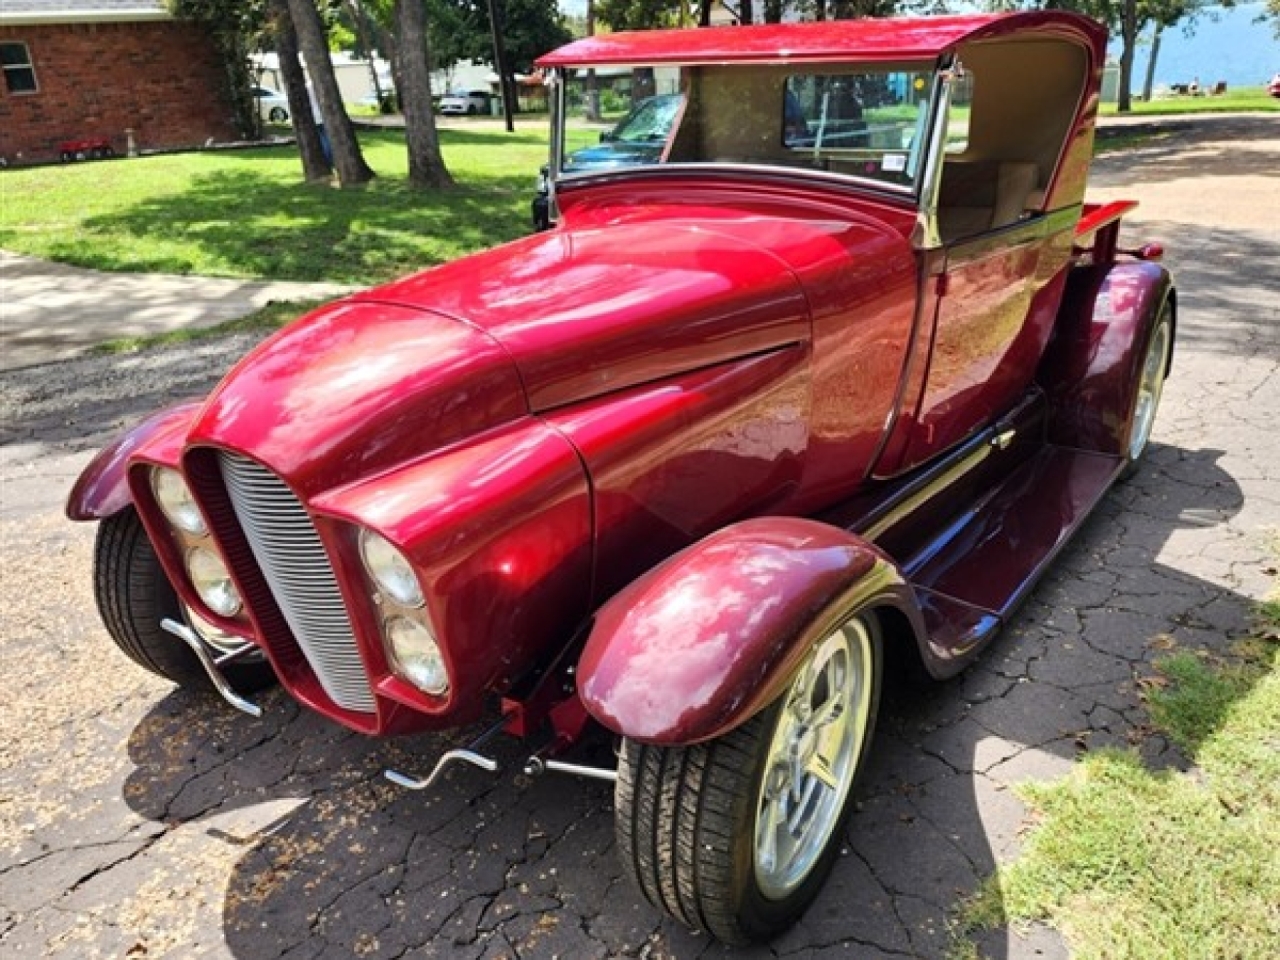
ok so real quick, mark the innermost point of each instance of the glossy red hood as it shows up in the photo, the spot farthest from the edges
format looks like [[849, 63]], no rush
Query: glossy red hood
[[403, 370], [590, 311], [356, 388]]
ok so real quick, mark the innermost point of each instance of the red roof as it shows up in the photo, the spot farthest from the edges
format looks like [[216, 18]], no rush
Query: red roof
[[904, 38]]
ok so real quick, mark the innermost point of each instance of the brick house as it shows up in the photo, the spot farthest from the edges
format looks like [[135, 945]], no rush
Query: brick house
[[76, 70]]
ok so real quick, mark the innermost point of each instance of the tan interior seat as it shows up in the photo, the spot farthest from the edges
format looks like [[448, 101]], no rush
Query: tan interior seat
[[978, 196], [1015, 184]]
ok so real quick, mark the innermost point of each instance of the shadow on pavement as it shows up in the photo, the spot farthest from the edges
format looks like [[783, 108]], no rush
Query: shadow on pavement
[[1177, 152], [1229, 274], [489, 866]]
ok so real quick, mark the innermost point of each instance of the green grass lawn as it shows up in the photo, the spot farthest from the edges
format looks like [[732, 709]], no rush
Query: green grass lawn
[[1131, 862], [247, 213], [1241, 99]]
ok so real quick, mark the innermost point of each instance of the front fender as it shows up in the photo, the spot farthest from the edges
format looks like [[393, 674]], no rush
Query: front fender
[[102, 489], [1092, 365], [499, 530], [701, 643]]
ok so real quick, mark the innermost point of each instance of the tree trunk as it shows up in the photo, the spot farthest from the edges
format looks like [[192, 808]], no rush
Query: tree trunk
[[773, 11], [746, 16], [704, 13], [426, 166], [347, 157], [643, 84], [505, 75], [361, 23], [388, 41], [314, 166], [593, 85], [1129, 37], [1151, 64]]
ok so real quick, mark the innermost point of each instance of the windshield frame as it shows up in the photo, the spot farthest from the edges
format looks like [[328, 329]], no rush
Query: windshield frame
[[918, 190]]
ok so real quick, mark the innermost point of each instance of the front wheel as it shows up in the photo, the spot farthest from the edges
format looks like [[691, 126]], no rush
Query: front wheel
[[278, 115], [134, 594], [736, 836]]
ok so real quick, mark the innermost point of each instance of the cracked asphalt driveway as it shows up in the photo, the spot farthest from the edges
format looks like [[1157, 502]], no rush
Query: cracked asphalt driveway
[[137, 820]]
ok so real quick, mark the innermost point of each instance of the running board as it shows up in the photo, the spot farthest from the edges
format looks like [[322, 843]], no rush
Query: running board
[[971, 578]]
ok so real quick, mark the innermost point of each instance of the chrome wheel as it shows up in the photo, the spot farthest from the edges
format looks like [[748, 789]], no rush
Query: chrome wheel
[[812, 759], [1150, 386], [736, 835]]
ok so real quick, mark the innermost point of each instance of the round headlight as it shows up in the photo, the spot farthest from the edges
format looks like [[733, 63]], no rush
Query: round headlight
[[210, 578], [176, 501], [390, 570], [415, 655]]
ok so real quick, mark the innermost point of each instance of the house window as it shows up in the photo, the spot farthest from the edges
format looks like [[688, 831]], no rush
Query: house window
[[19, 74]]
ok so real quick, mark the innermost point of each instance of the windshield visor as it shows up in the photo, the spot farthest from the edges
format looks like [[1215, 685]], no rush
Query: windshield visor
[[862, 121]]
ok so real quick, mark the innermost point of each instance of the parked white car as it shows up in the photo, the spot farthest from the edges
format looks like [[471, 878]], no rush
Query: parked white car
[[273, 106], [470, 102]]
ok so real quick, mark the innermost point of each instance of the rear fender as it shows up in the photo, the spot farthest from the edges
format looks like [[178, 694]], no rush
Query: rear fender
[[701, 643], [1091, 368], [102, 489]]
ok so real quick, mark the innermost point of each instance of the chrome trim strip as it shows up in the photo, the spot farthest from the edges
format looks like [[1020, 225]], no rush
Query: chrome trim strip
[[211, 667]]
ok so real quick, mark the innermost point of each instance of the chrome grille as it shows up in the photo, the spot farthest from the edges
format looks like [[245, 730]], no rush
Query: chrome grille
[[297, 569]]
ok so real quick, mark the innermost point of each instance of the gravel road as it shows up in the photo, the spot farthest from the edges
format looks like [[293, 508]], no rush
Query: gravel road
[[137, 820]]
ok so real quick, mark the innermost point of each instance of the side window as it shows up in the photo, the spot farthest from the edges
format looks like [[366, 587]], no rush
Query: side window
[[19, 74], [869, 124]]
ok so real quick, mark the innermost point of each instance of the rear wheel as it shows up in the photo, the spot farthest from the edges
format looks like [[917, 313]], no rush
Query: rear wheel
[[736, 836], [278, 115], [1150, 386], [134, 594]]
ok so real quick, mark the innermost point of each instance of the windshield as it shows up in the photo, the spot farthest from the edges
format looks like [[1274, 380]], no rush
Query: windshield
[[861, 121], [651, 120]]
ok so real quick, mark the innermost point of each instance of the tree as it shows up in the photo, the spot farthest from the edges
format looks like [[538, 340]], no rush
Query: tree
[[459, 30], [1127, 17], [315, 167], [361, 28], [236, 26], [426, 165], [852, 9], [638, 14], [1150, 80], [347, 156]]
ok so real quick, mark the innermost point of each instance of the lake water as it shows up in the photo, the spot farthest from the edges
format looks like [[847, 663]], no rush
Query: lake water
[[1231, 47]]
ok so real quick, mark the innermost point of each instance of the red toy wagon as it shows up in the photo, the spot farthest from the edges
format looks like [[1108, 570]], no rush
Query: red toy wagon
[[92, 148]]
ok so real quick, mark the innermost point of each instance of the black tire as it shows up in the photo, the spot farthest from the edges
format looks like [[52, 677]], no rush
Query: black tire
[[1149, 386], [278, 115], [687, 820], [134, 595], [471, 110]]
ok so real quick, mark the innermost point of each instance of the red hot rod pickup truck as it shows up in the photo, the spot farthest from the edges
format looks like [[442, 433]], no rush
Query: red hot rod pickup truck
[[833, 374]]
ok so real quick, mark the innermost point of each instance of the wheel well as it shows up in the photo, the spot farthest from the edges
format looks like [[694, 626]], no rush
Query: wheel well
[[901, 645]]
